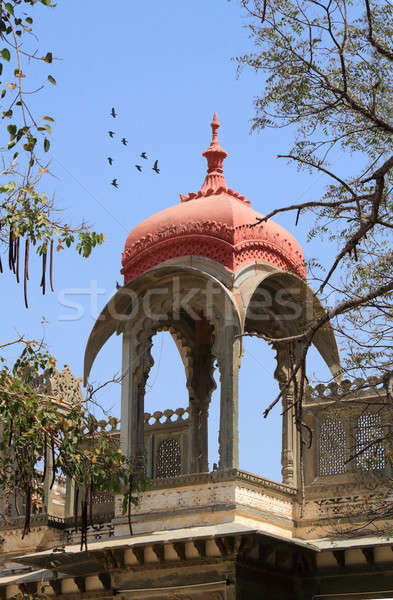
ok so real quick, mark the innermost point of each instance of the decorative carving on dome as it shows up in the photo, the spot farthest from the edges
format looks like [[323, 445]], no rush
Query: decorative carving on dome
[[212, 192], [212, 228], [233, 247]]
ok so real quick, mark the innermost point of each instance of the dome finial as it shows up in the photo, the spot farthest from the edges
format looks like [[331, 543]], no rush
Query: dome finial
[[215, 156], [215, 125]]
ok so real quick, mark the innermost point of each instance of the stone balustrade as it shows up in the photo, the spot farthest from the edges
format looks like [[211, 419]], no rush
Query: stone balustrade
[[347, 389]]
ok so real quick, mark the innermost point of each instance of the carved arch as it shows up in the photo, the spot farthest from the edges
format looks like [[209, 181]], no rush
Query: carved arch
[[115, 317]]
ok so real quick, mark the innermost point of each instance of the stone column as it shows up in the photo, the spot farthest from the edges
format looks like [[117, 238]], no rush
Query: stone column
[[199, 413], [201, 385], [48, 492], [69, 508], [290, 437], [132, 406], [228, 350], [289, 442]]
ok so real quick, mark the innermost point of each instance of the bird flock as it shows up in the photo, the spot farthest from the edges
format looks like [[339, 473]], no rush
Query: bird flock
[[124, 141]]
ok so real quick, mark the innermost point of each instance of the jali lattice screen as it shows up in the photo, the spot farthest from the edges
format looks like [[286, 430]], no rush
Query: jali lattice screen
[[168, 459], [332, 446], [369, 450]]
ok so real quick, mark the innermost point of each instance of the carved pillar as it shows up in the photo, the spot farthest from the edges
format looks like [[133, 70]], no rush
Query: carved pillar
[[199, 413], [200, 387], [228, 350], [48, 493], [290, 436], [69, 508], [132, 406]]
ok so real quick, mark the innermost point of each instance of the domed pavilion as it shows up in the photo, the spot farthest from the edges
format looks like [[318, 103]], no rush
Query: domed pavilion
[[209, 270]]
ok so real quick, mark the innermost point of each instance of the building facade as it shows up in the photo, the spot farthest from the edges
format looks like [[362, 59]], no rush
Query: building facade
[[209, 271]]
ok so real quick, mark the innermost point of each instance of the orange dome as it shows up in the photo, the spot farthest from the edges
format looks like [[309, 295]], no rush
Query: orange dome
[[215, 223]]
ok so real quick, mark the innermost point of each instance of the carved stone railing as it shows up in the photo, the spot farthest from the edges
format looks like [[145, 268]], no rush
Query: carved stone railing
[[62, 385], [346, 390], [165, 418], [351, 431], [167, 441]]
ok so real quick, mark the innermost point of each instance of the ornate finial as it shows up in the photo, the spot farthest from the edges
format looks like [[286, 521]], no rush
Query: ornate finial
[[215, 156], [214, 181]]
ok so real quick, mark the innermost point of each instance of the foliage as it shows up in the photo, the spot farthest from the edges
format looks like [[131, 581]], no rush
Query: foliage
[[43, 430], [42, 436], [328, 70], [26, 213]]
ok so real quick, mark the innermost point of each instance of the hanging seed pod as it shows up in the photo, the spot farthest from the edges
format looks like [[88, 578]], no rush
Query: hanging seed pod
[[42, 284], [84, 522], [130, 488], [76, 506], [11, 433], [11, 251], [45, 457], [52, 443], [17, 244], [26, 272], [91, 502], [16, 501], [51, 266]]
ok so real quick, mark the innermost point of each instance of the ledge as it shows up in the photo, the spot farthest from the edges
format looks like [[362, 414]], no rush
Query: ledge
[[222, 476]]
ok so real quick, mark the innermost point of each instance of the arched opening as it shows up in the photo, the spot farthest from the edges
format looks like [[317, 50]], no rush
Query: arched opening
[[274, 312], [259, 439], [166, 386], [214, 423], [166, 417]]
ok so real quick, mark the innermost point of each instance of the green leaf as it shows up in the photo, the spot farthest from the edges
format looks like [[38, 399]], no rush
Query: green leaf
[[3, 93], [46, 144], [9, 8], [48, 119], [1, 68], [29, 20], [5, 53], [52, 79], [11, 129], [48, 58], [48, 129]]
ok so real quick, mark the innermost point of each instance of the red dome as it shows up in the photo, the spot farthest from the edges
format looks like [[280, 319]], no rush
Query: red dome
[[216, 223]]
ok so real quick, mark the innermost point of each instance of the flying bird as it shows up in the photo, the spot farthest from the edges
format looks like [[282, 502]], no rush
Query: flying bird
[[114, 183], [138, 167], [124, 141], [155, 168], [111, 133], [110, 160], [113, 113], [144, 155]]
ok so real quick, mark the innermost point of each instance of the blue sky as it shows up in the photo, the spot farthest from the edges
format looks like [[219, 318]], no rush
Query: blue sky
[[166, 67]]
